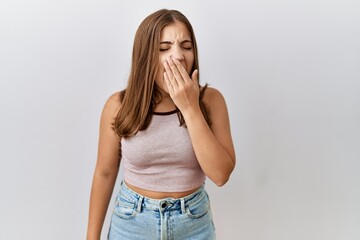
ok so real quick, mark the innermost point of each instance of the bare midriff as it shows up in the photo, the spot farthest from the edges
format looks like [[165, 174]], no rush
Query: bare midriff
[[160, 195]]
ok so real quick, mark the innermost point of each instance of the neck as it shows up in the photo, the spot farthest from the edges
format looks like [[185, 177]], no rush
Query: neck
[[164, 103], [162, 95]]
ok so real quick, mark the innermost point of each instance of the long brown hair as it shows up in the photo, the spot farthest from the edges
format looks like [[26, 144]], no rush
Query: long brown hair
[[138, 99]]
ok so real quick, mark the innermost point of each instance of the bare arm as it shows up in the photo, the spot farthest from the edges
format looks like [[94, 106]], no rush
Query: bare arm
[[213, 146], [107, 167]]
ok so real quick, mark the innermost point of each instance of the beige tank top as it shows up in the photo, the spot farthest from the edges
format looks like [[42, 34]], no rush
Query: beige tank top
[[161, 158]]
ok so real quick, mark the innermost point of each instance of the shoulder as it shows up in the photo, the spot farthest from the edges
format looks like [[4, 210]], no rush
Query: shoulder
[[112, 105], [212, 92], [213, 98], [115, 98], [216, 108]]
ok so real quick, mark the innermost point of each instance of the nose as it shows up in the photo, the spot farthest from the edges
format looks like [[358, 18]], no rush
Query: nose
[[178, 53]]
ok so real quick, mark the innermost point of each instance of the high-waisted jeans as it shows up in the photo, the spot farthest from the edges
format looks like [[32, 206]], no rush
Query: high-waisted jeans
[[137, 217]]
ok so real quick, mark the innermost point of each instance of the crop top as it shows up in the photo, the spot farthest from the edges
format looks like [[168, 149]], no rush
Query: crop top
[[161, 158]]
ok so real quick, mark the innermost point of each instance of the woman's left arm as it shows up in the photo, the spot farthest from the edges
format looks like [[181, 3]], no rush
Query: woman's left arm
[[213, 145]]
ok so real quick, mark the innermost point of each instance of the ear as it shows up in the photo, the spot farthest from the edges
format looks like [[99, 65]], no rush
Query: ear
[[195, 76]]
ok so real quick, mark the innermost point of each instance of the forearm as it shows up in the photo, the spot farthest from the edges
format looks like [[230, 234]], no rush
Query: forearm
[[213, 146], [213, 158], [101, 192]]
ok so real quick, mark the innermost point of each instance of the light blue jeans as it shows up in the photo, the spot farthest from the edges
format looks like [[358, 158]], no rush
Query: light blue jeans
[[137, 217]]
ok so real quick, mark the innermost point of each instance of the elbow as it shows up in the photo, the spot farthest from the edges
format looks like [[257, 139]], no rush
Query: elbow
[[223, 178], [107, 173], [221, 183]]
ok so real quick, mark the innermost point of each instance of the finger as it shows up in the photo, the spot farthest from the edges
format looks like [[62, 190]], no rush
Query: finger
[[175, 70], [195, 76], [184, 74], [169, 74], [168, 83]]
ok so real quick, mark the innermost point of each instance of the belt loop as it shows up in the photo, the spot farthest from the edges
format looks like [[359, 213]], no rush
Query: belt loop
[[138, 209], [182, 201]]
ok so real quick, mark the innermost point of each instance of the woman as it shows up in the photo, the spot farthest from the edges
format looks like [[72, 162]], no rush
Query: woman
[[170, 133]]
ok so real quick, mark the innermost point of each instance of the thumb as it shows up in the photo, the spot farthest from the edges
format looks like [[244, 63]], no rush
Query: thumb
[[195, 76]]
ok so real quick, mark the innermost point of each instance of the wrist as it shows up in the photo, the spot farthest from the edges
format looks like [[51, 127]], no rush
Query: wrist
[[191, 112], [93, 235]]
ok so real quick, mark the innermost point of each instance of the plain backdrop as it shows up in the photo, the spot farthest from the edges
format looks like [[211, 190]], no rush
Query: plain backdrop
[[289, 71]]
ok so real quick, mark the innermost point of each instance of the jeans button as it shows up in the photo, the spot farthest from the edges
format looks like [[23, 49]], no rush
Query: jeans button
[[163, 205]]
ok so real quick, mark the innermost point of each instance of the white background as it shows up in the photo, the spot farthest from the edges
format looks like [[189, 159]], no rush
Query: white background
[[289, 71]]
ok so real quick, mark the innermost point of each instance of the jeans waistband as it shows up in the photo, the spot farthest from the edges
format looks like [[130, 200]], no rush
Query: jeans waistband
[[165, 203]]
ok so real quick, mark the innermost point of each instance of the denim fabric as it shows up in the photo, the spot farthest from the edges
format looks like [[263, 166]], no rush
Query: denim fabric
[[137, 217]]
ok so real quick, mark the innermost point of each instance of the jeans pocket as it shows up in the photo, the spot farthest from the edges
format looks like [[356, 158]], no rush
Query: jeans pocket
[[124, 208], [199, 209]]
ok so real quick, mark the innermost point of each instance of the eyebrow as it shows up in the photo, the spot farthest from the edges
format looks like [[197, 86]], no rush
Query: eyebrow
[[168, 42]]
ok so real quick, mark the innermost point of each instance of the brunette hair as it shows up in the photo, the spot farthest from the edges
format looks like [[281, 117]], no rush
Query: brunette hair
[[138, 99]]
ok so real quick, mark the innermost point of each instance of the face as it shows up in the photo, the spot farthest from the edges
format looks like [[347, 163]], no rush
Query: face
[[176, 42]]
